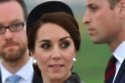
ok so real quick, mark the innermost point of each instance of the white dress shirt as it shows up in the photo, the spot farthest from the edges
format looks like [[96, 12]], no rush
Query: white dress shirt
[[26, 72], [119, 54]]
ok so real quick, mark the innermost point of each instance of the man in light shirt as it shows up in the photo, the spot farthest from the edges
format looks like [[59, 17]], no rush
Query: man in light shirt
[[13, 43]]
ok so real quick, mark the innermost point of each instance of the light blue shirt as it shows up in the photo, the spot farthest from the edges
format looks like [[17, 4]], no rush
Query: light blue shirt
[[26, 72]]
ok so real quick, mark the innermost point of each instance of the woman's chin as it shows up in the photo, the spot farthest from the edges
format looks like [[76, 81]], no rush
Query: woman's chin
[[57, 77]]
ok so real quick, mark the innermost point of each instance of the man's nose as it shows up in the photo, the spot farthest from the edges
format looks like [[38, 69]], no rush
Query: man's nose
[[86, 18], [8, 34]]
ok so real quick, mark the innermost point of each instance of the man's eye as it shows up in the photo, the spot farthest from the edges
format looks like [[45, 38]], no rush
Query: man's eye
[[45, 46], [93, 8], [17, 25], [1, 28], [65, 44]]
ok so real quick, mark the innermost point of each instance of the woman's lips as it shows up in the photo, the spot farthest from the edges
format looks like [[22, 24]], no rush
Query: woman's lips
[[56, 65]]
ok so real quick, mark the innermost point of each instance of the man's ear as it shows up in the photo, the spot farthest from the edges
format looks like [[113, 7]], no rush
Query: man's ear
[[122, 9]]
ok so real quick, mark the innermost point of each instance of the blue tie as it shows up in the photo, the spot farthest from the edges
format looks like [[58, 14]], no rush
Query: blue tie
[[13, 79]]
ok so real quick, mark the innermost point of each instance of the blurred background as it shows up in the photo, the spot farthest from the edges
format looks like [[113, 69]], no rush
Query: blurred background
[[91, 59]]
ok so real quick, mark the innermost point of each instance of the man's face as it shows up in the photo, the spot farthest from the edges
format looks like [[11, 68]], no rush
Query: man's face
[[103, 23], [13, 45]]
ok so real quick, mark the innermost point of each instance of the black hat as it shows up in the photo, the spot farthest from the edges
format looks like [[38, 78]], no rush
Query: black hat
[[47, 7]]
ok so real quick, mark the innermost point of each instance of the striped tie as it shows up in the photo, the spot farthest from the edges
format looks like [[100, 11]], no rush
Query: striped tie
[[110, 70]]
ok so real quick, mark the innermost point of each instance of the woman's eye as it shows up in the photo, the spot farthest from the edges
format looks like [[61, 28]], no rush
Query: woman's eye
[[65, 44], [45, 46]]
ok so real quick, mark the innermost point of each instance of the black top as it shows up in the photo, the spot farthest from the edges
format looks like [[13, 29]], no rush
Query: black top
[[47, 7], [74, 78]]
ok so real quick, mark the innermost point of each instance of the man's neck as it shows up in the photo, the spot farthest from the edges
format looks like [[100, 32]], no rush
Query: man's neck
[[14, 66]]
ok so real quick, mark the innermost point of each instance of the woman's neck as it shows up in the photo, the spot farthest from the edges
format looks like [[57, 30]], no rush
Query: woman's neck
[[53, 81]]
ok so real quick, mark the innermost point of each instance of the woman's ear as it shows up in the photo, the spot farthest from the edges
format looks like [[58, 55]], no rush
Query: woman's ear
[[75, 52], [32, 53], [74, 57], [33, 56]]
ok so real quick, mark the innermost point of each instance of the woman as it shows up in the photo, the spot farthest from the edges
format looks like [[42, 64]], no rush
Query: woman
[[54, 40]]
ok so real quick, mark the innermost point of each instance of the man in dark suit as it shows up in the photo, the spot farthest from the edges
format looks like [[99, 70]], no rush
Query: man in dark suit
[[105, 20], [13, 44]]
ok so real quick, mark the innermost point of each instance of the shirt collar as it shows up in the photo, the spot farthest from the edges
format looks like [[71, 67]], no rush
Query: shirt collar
[[4, 73], [119, 53], [25, 72]]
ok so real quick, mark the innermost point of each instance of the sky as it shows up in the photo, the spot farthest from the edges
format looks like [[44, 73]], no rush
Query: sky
[[68, 1], [76, 5]]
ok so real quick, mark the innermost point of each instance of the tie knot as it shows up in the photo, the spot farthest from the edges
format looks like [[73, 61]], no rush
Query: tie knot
[[113, 60], [13, 79]]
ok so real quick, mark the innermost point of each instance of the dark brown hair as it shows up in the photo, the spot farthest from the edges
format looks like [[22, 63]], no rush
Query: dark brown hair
[[66, 21]]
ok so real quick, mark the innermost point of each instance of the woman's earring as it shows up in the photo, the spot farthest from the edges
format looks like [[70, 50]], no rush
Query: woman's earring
[[34, 61], [74, 59]]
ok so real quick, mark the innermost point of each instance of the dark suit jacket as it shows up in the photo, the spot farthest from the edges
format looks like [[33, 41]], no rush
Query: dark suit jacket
[[120, 78], [37, 78]]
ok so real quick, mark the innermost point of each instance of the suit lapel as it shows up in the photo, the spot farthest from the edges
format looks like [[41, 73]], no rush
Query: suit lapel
[[120, 78], [0, 78]]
